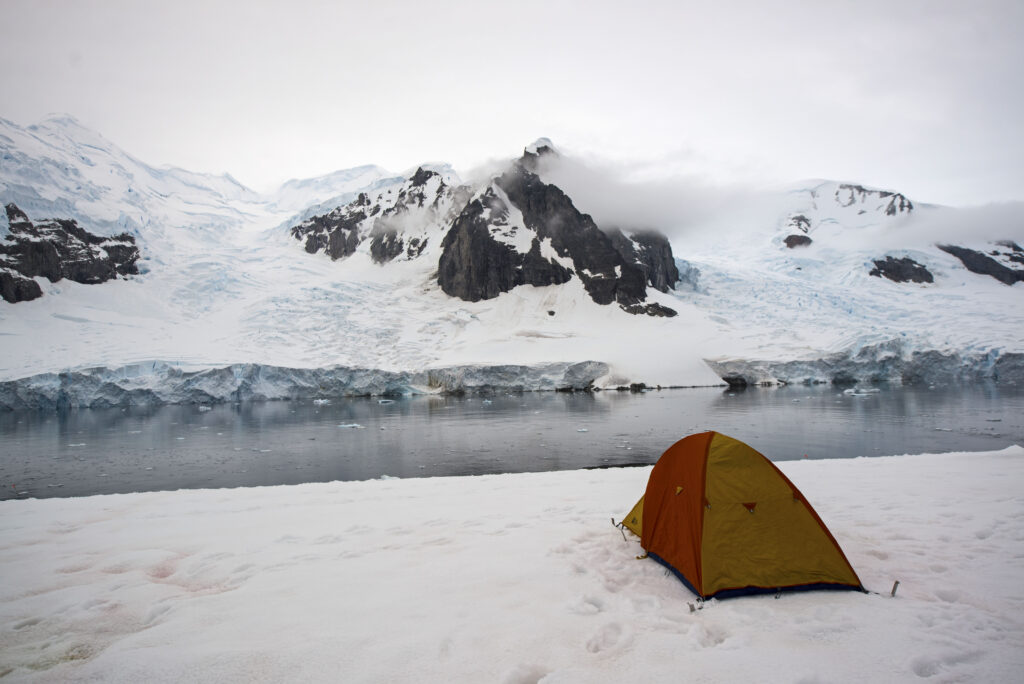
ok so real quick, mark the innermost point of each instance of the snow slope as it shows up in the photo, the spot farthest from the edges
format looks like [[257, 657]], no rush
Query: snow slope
[[222, 283], [813, 302], [506, 578]]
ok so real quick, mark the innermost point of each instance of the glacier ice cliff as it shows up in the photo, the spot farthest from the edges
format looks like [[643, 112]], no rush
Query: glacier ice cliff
[[883, 363], [157, 383]]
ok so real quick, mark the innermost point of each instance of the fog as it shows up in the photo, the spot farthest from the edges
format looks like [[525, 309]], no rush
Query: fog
[[691, 209]]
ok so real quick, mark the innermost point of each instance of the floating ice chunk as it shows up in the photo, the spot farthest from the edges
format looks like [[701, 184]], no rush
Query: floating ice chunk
[[355, 426], [582, 430], [385, 401], [321, 402], [204, 408], [77, 445]]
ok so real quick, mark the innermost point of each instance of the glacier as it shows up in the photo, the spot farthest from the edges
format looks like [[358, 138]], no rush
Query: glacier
[[235, 308], [158, 383], [878, 364]]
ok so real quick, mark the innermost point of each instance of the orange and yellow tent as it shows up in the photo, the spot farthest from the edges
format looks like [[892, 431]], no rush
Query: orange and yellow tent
[[727, 522]]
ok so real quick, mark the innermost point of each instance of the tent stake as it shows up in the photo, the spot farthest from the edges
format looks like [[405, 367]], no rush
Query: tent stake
[[620, 530], [894, 585]]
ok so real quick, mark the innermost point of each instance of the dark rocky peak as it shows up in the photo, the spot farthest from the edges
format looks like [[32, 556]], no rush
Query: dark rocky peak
[[794, 241], [534, 152], [520, 230], [903, 270], [422, 176], [56, 249], [998, 263], [398, 221], [893, 203], [550, 213], [335, 232]]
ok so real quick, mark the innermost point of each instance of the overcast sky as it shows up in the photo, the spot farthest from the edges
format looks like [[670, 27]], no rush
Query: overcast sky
[[922, 96]]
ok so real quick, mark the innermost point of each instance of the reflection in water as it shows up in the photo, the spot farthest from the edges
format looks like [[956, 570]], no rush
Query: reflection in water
[[77, 453]]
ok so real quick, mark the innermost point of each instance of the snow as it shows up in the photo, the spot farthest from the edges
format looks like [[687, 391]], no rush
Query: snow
[[223, 284], [506, 578], [536, 145]]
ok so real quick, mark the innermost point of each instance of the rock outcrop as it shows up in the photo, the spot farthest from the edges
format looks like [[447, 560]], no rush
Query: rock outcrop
[[475, 264], [987, 264], [903, 270], [652, 253], [396, 223], [891, 203], [793, 241], [56, 249]]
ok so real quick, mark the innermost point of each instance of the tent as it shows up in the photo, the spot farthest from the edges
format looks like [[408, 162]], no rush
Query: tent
[[727, 522]]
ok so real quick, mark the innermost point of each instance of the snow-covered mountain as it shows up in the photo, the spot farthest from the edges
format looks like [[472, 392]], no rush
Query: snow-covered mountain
[[512, 230], [422, 276]]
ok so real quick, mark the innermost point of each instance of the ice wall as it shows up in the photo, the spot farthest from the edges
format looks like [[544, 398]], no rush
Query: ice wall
[[157, 383]]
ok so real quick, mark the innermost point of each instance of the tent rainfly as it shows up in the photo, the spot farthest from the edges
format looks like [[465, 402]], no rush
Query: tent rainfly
[[727, 522]]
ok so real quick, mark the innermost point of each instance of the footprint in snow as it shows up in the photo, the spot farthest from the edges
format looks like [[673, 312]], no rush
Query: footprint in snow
[[608, 637], [525, 673]]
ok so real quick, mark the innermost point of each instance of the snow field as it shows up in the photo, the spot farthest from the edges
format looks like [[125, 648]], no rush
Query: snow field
[[507, 578]]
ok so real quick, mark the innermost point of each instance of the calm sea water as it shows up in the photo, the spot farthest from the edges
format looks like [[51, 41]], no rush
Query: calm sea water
[[85, 452]]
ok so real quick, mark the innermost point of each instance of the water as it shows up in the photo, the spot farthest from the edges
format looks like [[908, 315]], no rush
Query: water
[[84, 452]]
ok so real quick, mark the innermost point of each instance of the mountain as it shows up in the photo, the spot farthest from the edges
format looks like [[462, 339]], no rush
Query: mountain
[[512, 230], [402, 221], [366, 280]]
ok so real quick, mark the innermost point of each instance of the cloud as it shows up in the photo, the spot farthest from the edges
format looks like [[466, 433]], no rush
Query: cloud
[[696, 212], [930, 225], [617, 195]]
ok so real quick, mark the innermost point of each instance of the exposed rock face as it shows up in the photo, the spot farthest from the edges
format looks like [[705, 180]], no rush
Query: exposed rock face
[[398, 223], [797, 241], [892, 203], [15, 288], [514, 230], [903, 270], [800, 222], [337, 232], [57, 249], [474, 265], [652, 253], [987, 264], [550, 214]]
